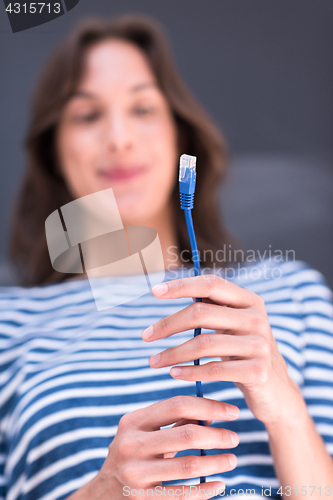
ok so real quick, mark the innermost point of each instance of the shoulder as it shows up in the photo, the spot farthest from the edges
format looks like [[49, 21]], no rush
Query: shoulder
[[41, 292], [48, 289], [21, 306]]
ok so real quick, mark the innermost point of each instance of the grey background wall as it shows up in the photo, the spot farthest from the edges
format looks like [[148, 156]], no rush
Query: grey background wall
[[264, 70]]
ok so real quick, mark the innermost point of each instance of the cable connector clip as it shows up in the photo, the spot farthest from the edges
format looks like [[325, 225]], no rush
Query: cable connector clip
[[187, 178]]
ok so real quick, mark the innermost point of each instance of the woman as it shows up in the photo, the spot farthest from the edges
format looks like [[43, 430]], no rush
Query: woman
[[83, 413]]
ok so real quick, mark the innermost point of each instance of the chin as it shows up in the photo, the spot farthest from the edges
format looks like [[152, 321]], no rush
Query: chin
[[137, 206], [133, 214]]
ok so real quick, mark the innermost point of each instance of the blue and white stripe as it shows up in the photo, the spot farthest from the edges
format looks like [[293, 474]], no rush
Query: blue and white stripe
[[69, 372]]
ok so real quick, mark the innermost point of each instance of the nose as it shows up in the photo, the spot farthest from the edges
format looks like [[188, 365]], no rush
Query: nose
[[119, 135]]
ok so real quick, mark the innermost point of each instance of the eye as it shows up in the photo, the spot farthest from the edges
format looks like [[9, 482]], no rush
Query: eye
[[87, 118], [144, 110]]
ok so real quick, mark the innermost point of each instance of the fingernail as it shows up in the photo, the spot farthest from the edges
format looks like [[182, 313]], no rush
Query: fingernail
[[175, 372], [232, 411], [147, 333], [234, 439], [232, 461], [160, 289], [155, 359]]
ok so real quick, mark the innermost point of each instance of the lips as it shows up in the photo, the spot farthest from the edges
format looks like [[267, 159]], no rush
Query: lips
[[122, 172]]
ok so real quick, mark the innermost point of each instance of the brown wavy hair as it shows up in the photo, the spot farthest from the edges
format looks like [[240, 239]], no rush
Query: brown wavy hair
[[43, 190]]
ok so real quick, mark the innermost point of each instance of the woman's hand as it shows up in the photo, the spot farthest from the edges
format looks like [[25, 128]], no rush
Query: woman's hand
[[243, 340], [142, 455]]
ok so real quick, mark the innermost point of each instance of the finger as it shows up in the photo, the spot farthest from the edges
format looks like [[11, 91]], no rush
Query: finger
[[210, 345], [189, 436], [211, 317], [184, 421], [171, 410], [191, 466], [194, 492], [243, 371], [214, 287]]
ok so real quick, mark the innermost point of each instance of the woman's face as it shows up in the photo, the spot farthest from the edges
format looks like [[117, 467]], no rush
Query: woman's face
[[118, 131]]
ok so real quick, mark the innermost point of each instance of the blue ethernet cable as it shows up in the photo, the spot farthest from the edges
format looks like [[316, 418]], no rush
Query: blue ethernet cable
[[187, 178]]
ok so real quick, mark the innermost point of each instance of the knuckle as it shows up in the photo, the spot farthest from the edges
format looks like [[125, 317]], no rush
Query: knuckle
[[212, 280], [254, 322], [124, 422], [125, 447], [177, 285], [226, 437], [217, 408], [199, 310], [128, 473], [262, 326], [196, 310], [264, 348], [215, 368], [259, 346], [204, 342], [179, 405], [189, 434], [258, 324], [261, 372], [190, 466], [162, 325]]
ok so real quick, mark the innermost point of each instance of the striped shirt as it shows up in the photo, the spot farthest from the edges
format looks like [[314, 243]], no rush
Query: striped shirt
[[68, 373]]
